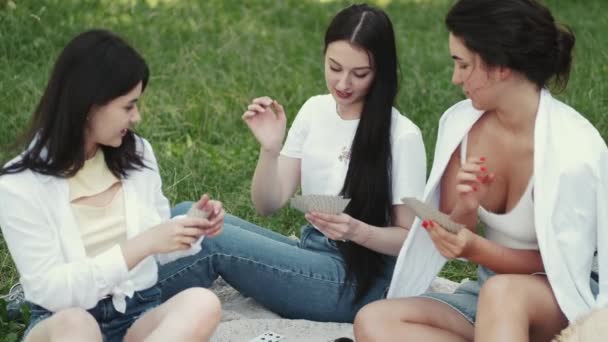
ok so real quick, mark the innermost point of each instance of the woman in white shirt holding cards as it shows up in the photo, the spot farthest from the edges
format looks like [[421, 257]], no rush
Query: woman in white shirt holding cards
[[351, 142], [83, 213], [530, 168]]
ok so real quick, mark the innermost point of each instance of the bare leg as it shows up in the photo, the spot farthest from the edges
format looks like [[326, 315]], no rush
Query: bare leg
[[515, 307], [191, 315], [66, 326], [411, 319]]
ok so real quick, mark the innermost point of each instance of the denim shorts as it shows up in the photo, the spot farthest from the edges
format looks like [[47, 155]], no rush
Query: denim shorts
[[465, 298], [113, 324]]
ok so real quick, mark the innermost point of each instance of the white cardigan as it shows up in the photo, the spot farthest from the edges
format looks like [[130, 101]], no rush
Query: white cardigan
[[570, 206], [45, 244]]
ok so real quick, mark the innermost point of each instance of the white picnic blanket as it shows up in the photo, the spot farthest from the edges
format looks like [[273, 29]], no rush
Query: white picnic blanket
[[244, 319]]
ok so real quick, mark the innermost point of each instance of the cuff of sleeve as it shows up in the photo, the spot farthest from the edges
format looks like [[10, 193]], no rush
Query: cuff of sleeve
[[291, 154], [169, 257], [113, 266]]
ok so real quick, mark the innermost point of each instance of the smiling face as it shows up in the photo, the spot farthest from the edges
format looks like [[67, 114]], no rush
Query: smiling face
[[478, 82], [109, 123], [349, 73]]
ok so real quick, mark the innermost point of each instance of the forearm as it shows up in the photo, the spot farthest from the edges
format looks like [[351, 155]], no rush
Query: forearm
[[135, 250], [385, 240], [501, 259], [266, 191]]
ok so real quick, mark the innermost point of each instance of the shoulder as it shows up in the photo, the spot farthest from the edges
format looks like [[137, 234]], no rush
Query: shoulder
[[571, 116], [316, 105], [320, 101], [579, 142], [457, 111], [145, 150], [402, 126], [23, 182]]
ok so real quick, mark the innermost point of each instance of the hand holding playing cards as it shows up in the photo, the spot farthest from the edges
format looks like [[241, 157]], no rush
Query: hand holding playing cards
[[450, 245], [211, 210], [335, 227], [474, 180], [267, 121]]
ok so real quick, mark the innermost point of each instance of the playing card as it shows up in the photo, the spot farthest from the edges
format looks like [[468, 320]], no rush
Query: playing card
[[196, 212], [268, 336], [426, 212], [322, 203]]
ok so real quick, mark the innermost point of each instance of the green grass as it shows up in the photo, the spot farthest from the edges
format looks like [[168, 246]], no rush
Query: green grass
[[209, 58]]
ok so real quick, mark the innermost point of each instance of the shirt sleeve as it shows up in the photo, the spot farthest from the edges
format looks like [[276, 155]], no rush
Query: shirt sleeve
[[35, 246], [409, 166], [602, 229], [299, 131]]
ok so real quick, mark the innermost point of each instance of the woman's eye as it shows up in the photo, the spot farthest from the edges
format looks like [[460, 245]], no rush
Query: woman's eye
[[334, 68], [361, 75]]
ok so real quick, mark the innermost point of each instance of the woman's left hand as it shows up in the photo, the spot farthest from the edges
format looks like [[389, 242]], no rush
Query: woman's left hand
[[451, 245], [216, 215], [335, 227]]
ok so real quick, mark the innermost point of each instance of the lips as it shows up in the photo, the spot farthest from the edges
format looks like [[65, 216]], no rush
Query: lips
[[343, 95]]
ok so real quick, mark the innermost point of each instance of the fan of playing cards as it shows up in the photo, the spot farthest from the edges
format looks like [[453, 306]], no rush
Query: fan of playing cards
[[426, 212], [196, 212], [322, 203]]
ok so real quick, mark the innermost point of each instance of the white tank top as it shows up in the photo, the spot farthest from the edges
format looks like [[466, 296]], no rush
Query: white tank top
[[514, 229]]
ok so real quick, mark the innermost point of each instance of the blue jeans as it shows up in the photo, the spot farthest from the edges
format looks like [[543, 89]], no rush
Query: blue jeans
[[113, 324], [296, 279]]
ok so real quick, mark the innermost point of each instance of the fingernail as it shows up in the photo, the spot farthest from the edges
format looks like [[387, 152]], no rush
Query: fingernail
[[480, 178], [483, 169], [482, 158], [425, 224], [431, 224], [474, 188]]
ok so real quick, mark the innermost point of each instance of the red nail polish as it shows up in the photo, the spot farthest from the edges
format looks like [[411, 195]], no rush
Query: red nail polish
[[474, 188], [480, 178], [425, 224], [482, 159], [483, 169]]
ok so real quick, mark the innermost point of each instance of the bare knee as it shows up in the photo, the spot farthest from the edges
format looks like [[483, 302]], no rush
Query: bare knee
[[500, 292], [203, 309], [73, 323], [372, 320]]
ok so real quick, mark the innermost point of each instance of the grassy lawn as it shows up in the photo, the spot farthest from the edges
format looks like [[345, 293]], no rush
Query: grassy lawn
[[209, 58]]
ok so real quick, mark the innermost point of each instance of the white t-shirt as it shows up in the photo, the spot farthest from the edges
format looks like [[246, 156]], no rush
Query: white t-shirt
[[322, 140]]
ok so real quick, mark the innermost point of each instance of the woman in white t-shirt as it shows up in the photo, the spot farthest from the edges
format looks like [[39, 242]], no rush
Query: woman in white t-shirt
[[83, 213], [351, 142]]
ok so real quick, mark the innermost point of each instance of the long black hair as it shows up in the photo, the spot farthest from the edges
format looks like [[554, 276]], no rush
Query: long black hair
[[519, 34], [94, 68], [368, 179]]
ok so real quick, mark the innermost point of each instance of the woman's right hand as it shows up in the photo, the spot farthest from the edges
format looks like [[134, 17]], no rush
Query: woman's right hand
[[267, 121], [177, 234], [473, 183]]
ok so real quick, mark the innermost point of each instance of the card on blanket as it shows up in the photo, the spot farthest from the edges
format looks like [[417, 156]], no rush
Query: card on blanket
[[268, 336]]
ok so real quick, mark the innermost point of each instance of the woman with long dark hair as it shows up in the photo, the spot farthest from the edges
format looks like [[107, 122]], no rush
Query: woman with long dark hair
[[531, 169], [83, 213], [351, 142]]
